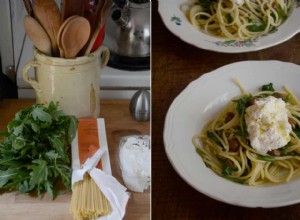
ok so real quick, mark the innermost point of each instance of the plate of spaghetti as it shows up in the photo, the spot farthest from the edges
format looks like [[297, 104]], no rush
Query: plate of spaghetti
[[231, 26], [234, 134]]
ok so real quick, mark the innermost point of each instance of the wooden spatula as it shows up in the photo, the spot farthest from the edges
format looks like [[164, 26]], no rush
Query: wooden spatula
[[48, 15], [37, 35], [72, 7]]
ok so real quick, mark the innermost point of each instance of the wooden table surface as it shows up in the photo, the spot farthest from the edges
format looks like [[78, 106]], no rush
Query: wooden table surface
[[118, 123], [174, 65]]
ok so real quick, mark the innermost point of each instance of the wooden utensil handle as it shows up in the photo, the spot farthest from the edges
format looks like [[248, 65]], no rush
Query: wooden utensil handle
[[72, 7], [28, 7]]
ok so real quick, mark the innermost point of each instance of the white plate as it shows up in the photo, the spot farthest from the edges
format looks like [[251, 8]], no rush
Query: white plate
[[199, 103], [178, 24]]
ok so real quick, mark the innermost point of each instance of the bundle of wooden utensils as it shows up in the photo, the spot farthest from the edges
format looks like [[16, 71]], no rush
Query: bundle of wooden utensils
[[75, 30]]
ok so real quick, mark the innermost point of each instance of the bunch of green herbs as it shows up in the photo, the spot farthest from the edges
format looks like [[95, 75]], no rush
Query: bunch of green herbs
[[34, 154]]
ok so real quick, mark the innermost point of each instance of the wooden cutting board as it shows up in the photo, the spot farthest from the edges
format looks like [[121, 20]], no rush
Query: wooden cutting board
[[118, 123]]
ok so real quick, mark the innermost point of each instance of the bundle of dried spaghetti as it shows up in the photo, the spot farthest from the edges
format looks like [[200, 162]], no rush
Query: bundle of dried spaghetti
[[88, 202]]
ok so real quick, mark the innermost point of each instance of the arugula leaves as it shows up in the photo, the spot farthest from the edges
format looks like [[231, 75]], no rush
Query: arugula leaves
[[268, 87], [229, 18], [204, 3], [241, 106], [226, 170], [282, 15], [257, 27], [213, 137], [265, 158], [34, 154]]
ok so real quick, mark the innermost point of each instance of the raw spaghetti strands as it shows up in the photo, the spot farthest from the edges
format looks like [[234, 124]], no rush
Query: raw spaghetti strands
[[88, 202], [225, 145], [237, 19]]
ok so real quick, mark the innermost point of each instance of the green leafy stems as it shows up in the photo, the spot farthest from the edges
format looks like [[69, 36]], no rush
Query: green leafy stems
[[34, 155]]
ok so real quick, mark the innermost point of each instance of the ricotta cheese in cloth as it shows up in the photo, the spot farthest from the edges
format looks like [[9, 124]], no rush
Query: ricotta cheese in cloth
[[135, 162], [267, 124]]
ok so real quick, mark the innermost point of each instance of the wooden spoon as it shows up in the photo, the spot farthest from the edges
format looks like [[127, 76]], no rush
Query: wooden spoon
[[48, 15], [37, 35], [59, 35], [75, 35], [72, 7]]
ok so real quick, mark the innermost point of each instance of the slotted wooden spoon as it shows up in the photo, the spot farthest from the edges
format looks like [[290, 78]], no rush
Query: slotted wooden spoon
[[74, 36], [37, 35], [48, 15]]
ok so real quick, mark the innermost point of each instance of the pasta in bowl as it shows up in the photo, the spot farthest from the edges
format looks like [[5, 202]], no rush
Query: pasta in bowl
[[232, 28], [237, 19], [255, 139], [201, 102]]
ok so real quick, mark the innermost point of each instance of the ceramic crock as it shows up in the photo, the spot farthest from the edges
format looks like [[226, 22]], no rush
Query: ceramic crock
[[73, 83]]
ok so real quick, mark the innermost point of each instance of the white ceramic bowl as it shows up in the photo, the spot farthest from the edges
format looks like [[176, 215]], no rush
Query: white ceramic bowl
[[199, 103], [178, 24]]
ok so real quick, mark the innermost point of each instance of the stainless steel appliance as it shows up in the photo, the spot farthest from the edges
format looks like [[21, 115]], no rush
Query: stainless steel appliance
[[128, 34]]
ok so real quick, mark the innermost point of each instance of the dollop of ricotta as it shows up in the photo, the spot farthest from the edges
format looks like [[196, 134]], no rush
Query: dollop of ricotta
[[267, 124]]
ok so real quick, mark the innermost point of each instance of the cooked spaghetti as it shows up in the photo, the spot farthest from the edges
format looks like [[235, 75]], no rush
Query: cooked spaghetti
[[225, 146], [237, 19]]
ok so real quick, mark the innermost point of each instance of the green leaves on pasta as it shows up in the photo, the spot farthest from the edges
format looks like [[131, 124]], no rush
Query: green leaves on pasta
[[268, 87], [259, 27], [204, 3], [241, 106], [213, 137], [266, 158], [281, 14], [226, 171]]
